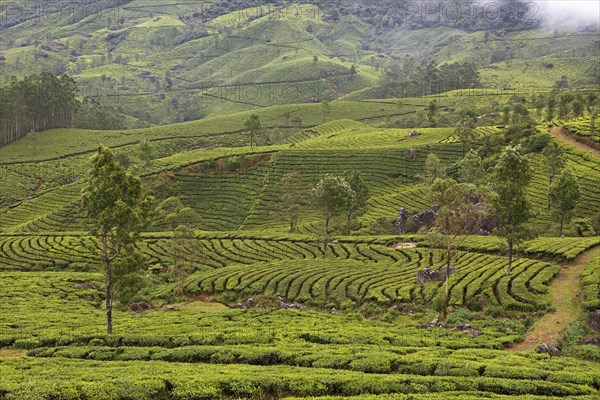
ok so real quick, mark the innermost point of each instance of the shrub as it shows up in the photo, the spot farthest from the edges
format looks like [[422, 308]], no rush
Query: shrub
[[27, 343], [460, 316]]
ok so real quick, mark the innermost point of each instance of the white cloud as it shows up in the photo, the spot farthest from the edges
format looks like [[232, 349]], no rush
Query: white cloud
[[560, 13]]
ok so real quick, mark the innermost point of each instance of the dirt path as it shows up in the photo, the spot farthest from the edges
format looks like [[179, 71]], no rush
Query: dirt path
[[564, 293], [560, 135]]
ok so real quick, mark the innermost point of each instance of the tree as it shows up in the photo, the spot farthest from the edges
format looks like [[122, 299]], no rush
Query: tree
[[353, 70], [184, 248], [315, 60], [472, 169], [434, 168], [292, 198], [593, 118], [550, 107], [555, 160], [465, 130], [325, 110], [253, 127], [432, 110], [172, 212], [113, 204], [511, 176], [463, 208], [562, 197], [146, 152], [359, 202], [331, 197]]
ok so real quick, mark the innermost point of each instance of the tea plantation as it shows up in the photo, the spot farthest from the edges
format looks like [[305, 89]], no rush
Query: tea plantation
[[241, 284]]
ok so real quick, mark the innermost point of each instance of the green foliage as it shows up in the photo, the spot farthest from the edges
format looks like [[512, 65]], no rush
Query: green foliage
[[35, 103], [332, 197], [253, 128], [472, 169], [563, 195], [113, 204], [434, 168], [511, 176]]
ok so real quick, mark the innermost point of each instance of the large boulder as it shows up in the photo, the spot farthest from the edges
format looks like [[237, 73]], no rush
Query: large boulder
[[401, 220], [442, 271], [413, 133], [428, 275], [550, 350], [426, 218], [594, 320]]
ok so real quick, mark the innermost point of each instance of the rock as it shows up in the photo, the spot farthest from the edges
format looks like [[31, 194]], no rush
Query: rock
[[283, 304], [594, 320], [413, 133], [249, 303], [87, 286], [595, 340], [139, 306], [279, 303], [411, 154], [428, 275], [76, 53], [170, 308], [426, 218], [550, 350], [468, 329], [442, 271], [401, 221]]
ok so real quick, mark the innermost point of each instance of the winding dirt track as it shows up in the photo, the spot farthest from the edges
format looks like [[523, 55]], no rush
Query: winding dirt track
[[563, 137], [564, 291]]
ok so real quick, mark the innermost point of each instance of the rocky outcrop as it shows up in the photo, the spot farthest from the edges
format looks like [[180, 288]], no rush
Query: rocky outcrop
[[550, 350], [428, 275], [401, 221], [594, 320], [279, 303], [405, 223]]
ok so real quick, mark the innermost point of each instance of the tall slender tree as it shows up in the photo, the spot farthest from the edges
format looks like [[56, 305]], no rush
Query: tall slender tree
[[253, 127], [463, 208], [562, 197], [114, 206], [511, 176], [331, 197]]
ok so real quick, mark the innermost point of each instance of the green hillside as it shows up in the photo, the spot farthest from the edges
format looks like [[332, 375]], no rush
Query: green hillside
[[240, 282]]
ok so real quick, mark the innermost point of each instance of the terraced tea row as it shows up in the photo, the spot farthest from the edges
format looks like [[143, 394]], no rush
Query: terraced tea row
[[343, 283], [139, 379]]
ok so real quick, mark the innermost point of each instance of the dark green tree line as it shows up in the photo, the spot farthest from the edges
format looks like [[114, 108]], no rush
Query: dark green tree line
[[36, 103]]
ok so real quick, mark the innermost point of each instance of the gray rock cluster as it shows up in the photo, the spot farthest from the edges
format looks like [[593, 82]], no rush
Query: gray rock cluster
[[279, 303], [428, 275], [418, 221], [594, 320], [550, 350]]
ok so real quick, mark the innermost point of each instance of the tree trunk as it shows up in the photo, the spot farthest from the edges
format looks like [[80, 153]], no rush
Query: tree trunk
[[510, 255], [447, 288], [108, 266], [109, 299], [562, 220], [326, 239]]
